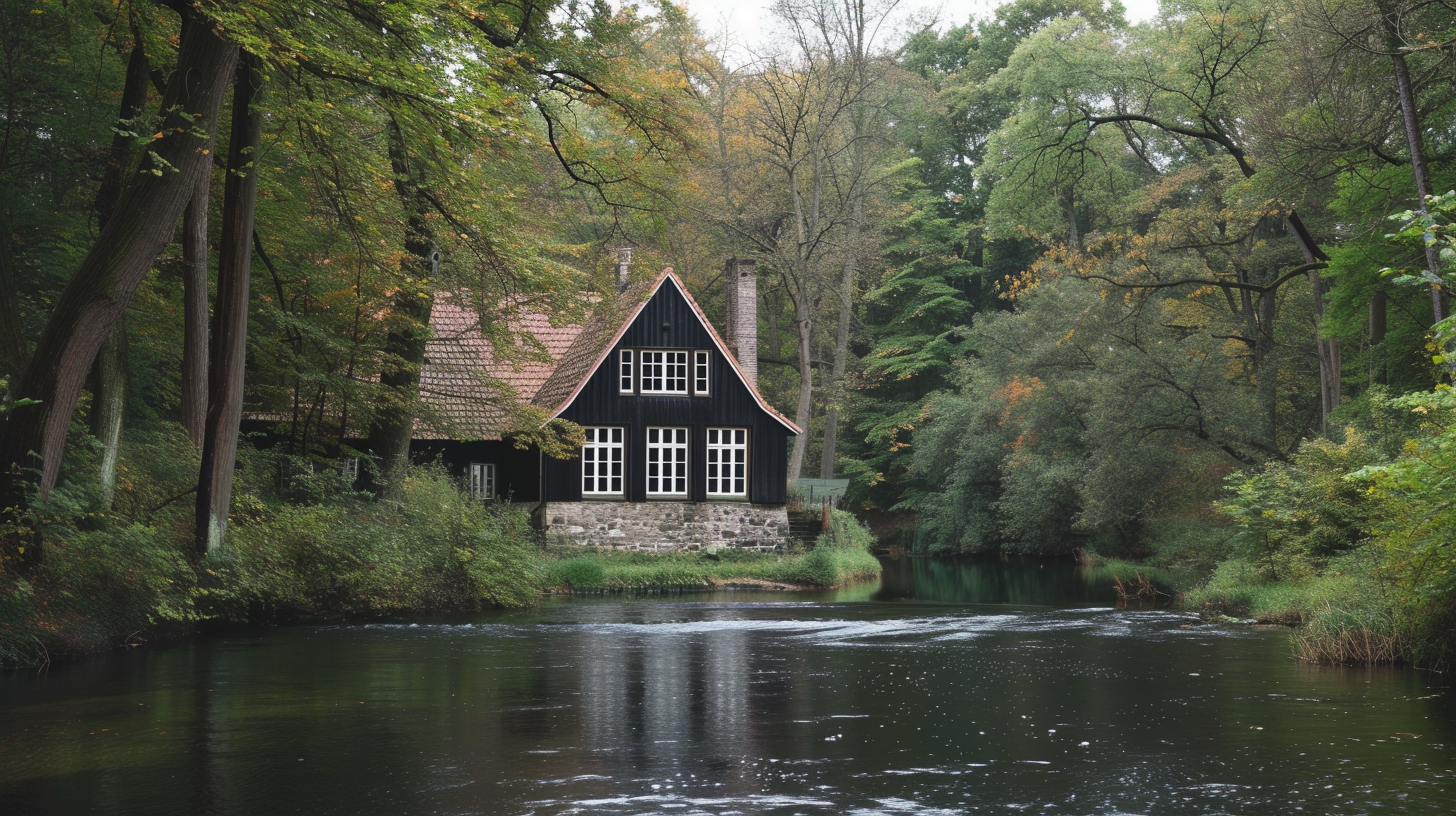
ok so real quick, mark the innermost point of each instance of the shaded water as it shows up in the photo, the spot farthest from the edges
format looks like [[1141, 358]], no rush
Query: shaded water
[[917, 697]]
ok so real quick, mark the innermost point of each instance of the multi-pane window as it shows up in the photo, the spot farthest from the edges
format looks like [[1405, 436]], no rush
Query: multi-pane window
[[664, 372], [350, 468], [601, 462], [482, 480], [700, 373], [625, 372], [667, 461], [728, 462]]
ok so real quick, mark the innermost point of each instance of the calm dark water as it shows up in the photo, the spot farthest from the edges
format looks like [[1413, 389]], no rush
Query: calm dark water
[[917, 697]]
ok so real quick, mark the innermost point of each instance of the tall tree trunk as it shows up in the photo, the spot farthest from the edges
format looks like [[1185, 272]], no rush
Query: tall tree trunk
[[94, 299], [194, 312], [109, 372], [409, 328], [1410, 119], [835, 392], [1326, 349], [108, 405], [804, 322], [230, 320]]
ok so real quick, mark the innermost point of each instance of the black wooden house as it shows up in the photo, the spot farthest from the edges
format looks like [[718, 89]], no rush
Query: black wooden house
[[681, 449]]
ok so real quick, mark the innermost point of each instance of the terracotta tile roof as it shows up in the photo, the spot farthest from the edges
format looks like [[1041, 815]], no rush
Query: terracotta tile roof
[[467, 386], [607, 322]]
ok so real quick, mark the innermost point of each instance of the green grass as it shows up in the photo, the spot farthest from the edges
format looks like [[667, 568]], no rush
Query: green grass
[[838, 558]]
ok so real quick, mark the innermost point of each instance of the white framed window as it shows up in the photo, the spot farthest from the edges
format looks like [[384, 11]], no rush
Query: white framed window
[[728, 462], [667, 461], [700, 373], [664, 372], [482, 480], [601, 462], [625, 372]]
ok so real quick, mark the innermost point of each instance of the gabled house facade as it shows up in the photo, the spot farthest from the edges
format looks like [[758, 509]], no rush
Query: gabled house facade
[[681, 450]]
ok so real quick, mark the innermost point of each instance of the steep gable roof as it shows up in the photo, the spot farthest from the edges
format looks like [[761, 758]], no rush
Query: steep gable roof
[[463, 375], [607, 325]]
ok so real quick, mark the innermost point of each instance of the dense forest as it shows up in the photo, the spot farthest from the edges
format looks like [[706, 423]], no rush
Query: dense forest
[[1046, 282]]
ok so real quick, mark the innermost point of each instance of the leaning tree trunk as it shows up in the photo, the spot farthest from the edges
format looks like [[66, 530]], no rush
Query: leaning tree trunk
[[109, 372], [92, 303], [409, 329], [230, 327]]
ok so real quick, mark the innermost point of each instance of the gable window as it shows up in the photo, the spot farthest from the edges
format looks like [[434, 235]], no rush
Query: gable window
[[625, 373], [728, 462], [700, 373], [667, 461], [664, 372], [482, 480], [601, 462]]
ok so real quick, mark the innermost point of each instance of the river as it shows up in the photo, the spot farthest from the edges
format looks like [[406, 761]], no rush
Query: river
[[947, 689]]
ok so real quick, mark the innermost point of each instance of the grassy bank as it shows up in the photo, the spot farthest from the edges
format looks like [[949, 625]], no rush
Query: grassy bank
[[838, 558]]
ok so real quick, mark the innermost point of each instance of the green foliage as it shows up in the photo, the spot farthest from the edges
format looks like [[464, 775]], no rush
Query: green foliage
[[436, 549], [1293, 516], [576, 574], [1417, 528], [1082, 417], [107, 579]]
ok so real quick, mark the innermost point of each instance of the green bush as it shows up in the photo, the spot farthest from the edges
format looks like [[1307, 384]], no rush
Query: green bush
[[1293, 516], [436, 549], [97, 588]]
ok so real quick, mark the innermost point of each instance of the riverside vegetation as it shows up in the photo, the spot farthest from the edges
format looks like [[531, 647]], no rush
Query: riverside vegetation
[[310, 547]]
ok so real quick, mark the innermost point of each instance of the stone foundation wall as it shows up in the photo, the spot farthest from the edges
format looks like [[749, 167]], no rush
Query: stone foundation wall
[[664, 526]]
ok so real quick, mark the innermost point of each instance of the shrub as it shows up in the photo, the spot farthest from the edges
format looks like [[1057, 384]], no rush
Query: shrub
[[435, 549]]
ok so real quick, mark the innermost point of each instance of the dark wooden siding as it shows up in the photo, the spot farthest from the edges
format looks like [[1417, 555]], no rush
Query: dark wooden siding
[[517, 472], [669, 322]]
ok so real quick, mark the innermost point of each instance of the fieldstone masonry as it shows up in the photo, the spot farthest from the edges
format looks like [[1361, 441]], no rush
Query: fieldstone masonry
[[665, 526]]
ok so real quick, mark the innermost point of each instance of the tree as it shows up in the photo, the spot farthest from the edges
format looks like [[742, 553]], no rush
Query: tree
[[148, 208]]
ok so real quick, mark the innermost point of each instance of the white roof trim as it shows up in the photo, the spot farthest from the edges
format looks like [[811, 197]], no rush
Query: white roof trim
[[669, 275]]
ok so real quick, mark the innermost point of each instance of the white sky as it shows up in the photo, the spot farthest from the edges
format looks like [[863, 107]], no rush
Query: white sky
[[748, 22]]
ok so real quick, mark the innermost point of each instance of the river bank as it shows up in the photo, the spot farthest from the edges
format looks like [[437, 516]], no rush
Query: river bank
[[111, 581]]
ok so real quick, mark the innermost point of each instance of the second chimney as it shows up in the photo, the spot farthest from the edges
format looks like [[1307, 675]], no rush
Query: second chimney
[[742, 298], [624, 267]]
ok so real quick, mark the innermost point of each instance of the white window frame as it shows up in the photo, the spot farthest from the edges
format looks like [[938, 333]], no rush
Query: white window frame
[[700, 372], [664, 373], [482, 480], [625, 384], [350, 468], [727, 448], [603, 462], [667, 462]]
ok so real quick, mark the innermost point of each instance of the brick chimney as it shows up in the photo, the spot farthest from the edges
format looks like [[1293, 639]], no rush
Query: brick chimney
[[624, 267], [742, 293]]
